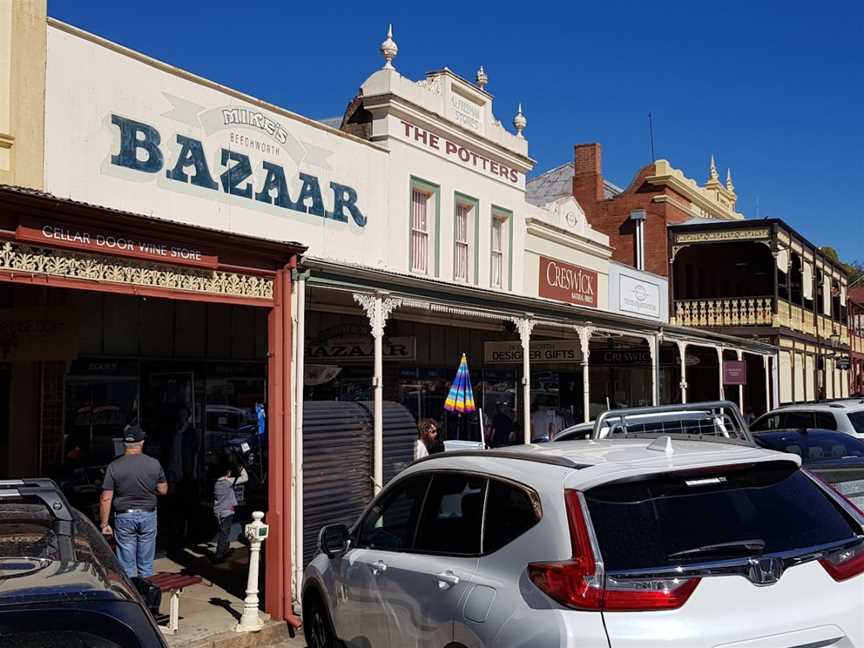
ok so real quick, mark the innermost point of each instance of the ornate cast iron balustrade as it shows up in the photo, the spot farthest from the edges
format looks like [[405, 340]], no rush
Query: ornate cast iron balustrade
[[743, 311]]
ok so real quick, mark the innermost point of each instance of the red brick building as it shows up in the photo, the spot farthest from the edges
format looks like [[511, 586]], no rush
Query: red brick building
[[635, 218], [746, 278]]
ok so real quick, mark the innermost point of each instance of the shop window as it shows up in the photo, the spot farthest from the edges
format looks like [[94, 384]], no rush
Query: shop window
[[499, 270], [464, 241], [424, 206]]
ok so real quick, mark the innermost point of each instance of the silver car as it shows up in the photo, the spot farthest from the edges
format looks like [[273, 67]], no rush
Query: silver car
[[614, 543]]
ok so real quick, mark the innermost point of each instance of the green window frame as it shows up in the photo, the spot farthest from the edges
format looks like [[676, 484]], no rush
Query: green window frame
[[505, 215], [464, 199], [434, 191]]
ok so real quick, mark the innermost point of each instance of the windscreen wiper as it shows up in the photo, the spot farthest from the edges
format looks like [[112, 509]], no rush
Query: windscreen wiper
[[735, 547]]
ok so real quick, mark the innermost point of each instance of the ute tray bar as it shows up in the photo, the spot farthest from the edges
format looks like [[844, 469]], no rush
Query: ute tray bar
[[720, 421], [536, 457]]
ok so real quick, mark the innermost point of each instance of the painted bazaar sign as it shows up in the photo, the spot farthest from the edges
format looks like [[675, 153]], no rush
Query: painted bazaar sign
[[143, 150], [566, 282]]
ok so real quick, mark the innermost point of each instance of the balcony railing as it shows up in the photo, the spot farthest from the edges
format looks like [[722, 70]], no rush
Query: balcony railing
[[743, 311]]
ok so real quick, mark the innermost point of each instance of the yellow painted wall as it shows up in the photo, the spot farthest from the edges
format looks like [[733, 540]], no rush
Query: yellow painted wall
[[22, 92], [785, 377]]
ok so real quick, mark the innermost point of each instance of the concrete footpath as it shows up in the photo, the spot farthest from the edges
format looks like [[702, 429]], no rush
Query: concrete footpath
[[209, 613]]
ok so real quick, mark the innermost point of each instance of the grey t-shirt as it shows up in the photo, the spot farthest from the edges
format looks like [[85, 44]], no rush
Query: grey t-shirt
[[133, 479]]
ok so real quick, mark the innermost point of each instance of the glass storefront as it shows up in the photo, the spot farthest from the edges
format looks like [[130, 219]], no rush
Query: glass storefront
[[420, 361]]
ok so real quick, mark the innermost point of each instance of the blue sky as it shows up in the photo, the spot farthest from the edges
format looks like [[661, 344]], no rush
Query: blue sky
[[774, 90]]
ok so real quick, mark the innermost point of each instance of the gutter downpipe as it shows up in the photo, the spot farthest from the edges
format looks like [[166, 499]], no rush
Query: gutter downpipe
[[297, 446]]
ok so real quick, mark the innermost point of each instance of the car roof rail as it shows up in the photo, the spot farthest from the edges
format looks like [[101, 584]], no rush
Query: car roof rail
[[47, 491], [550, 459]]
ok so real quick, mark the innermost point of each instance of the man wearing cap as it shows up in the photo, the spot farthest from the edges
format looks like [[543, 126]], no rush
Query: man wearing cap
[[131, 484]]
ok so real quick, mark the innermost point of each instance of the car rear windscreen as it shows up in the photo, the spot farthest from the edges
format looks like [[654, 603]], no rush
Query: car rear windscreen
[[676, 518], [857, 420]]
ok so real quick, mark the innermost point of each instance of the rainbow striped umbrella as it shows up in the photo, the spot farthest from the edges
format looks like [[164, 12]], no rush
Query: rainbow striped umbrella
[[461, 396]]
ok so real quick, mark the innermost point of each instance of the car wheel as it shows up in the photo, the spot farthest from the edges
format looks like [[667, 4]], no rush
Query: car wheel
[[316, 623]]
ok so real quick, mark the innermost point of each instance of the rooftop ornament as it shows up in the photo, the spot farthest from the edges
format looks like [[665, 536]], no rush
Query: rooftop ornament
[[388, 49], [519, 121], [482, 78], [729, 186], [712, 171]]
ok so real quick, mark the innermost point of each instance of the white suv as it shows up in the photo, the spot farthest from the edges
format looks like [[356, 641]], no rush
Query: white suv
[[595, 544], [843, 416]]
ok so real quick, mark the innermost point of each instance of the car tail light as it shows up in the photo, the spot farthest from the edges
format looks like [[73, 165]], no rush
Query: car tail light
[[581, 582], [845, 563]]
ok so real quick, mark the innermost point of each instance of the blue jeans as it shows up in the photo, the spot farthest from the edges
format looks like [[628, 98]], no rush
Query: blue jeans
[[135, 534]]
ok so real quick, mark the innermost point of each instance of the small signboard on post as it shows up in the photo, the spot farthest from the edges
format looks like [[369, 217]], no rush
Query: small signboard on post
[[734, 372]]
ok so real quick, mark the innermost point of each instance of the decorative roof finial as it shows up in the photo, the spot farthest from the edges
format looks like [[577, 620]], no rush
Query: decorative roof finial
[[712, 171], [389, 50], [482, 78], [729, 186], [519, 121]]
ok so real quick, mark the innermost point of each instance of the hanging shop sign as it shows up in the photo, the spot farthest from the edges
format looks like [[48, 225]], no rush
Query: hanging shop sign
[[457, 153], [112, 243], [541, 351], [566, 282], [734, 372], [843, 363], [360, 349]]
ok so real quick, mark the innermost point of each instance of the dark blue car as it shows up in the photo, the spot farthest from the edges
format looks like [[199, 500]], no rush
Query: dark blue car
[[60, 584], [836, 457]]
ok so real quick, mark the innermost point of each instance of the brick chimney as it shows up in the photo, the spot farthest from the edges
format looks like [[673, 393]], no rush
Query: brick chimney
[[588, 174]]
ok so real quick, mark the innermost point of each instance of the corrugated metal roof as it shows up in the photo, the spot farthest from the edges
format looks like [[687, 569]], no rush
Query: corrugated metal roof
[[698, 220], [333, 122], [558, 182]]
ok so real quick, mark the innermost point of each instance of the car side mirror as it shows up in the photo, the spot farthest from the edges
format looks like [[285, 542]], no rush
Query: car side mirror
[[334, 539]]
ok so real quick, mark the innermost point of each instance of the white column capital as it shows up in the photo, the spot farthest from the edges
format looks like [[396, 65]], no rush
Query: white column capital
[[378, 309], [585, 333], [524, 326], [653, 345]]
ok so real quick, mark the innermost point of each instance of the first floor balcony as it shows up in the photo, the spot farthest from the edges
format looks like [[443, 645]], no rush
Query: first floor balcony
[[739, 284]]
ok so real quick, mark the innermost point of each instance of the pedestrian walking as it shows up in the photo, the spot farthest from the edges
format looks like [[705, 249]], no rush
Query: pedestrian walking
[[130, 487], [502, 427], [427, 439], [224, 503]]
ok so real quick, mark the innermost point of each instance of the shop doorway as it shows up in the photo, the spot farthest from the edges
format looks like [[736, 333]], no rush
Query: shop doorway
[[79, 366]]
